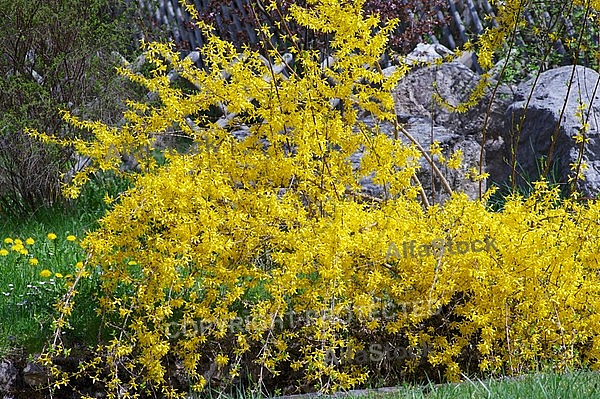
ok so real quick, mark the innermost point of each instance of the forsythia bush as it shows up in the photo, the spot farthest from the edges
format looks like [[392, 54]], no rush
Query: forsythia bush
[[259, 254]]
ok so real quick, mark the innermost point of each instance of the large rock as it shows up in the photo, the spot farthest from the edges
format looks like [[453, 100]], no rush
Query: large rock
[[537, 116], [8, 377], [425, 53], [420, 129], [455, 83]]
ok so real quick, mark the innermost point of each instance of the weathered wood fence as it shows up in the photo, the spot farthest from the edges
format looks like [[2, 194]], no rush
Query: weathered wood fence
[[461, 20]]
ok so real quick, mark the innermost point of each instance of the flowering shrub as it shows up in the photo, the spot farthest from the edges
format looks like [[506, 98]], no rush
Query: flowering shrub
[[260, 255]]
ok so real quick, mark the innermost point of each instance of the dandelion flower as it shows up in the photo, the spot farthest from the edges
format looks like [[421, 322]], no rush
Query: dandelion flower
[[30, 241], [18, 242], [8, 240], [23, 251], [45, 273], [58, 275], [33, 262], [51, 236], [71, 238], [3, 252], [79, 265]]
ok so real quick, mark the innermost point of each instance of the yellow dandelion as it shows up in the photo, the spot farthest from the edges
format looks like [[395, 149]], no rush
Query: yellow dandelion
[[18, 242], [8, 240], [58, 275], [33, 262], [3, 252], [30, 241], [71, 238], [23, 251], [78, 265], [51, 236], [45, 273]]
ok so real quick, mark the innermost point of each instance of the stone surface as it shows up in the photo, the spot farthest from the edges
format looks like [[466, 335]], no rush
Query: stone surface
[[535, 118], [8, 377], [35, 375], [420, 128], [454, 83], [427, 53]]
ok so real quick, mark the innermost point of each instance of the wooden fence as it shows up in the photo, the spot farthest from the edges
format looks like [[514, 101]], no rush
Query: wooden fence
[[461, 20]]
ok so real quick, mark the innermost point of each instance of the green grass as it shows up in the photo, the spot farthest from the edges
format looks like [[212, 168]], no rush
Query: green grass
[[28, 292], [573, 385], [580, 384], [34, 273]]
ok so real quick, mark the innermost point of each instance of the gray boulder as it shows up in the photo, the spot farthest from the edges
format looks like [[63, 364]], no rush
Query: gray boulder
[[537, 116], [420, 129], [425, 53], [454, 83], [8, 377]]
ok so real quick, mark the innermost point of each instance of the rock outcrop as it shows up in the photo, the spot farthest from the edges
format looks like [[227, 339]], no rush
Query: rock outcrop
[[416, 101], [554, 109]]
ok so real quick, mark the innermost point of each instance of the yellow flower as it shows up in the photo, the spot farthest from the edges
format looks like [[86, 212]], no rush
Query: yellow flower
[[221, 360], [78, 265], [23, 251], [51, 236], [30, 241], [455, 160], [18, 242], [58, 275], [33, 262], [132, 263], [3, 252], [8, 240], [45, 273], [71, 238]]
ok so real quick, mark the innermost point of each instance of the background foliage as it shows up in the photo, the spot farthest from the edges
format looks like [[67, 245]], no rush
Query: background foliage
[[54, 55]]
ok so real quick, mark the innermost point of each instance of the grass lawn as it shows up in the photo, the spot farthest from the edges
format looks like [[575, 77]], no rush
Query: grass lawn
[[573, 385]]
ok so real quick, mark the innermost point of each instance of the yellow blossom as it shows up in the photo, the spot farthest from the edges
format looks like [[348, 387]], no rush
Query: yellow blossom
[[45, 273], [221, 360]]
